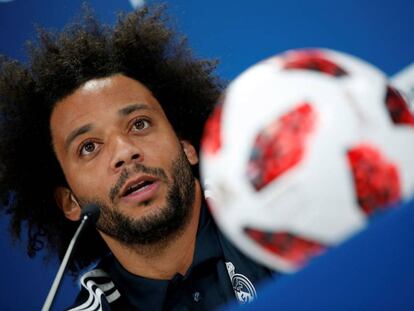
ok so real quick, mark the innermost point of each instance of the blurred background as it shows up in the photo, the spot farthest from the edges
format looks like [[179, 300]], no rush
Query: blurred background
[[238, 34]]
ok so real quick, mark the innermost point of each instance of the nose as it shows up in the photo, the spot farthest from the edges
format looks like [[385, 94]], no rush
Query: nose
[[124, 152]]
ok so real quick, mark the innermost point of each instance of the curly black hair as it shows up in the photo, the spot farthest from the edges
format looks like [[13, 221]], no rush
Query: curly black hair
[[141, 46]]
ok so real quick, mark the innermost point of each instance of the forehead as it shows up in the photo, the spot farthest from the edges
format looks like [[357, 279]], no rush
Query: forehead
[[106, 93], [99, 99]]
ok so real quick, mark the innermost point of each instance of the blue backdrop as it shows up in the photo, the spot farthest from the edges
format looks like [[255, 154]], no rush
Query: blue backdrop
[[238, 33]]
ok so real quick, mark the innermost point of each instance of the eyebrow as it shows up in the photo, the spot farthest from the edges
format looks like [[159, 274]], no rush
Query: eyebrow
[[123, 112], [77, 132]]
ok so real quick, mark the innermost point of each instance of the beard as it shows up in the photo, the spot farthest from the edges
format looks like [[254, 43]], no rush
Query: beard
[[156, 228]]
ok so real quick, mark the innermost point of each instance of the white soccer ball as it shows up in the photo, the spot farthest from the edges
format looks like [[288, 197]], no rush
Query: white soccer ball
[[301, 150]]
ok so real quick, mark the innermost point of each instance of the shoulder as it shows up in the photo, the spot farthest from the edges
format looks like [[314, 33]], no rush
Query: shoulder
[[239, 259]]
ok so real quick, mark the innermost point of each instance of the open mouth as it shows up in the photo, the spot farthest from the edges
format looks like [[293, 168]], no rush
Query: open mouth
[[137, 187]]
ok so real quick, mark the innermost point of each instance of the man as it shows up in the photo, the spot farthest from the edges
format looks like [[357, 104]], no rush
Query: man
[[114, 117]]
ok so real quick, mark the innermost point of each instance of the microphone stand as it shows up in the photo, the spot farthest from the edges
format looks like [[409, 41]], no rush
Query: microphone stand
[[56, 282]]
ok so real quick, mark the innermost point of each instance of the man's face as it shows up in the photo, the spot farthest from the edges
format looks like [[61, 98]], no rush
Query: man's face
[[117, 149]]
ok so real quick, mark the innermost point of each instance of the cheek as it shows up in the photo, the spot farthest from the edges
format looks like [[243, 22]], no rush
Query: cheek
[[163, 151], [88, 183]]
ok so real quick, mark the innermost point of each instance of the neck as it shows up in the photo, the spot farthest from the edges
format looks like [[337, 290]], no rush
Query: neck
[[163, 260]]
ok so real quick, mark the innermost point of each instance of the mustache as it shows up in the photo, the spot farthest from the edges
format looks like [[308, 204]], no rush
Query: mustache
[[138, 168]]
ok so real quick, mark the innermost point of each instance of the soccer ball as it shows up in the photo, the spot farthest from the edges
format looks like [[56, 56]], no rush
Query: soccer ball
[[301, 150]]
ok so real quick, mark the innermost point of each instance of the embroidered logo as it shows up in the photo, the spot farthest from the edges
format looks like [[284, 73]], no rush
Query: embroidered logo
[[243, 288], [98, 284]]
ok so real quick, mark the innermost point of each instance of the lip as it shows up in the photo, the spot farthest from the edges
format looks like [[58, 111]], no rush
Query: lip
[[142, 194]]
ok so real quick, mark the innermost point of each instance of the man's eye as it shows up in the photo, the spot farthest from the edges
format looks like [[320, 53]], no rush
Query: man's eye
[[140, 124], [87, 148]]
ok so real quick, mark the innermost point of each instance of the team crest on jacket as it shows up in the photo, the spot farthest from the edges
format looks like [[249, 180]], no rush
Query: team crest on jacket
[[243, 288]]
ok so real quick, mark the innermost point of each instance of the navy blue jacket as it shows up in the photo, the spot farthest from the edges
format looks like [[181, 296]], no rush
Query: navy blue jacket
[[219, 274]]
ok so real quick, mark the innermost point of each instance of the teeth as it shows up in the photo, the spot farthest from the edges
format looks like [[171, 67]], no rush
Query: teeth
[[138, 186], [134, 187]]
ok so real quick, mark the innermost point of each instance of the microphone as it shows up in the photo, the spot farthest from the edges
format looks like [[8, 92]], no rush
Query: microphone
[[91, 211], [90, 214]]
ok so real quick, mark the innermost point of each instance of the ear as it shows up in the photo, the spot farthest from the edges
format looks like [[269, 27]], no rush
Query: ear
[[67, 203], [190, 152]]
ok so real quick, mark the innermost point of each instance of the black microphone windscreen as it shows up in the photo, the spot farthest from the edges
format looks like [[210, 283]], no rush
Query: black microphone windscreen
[[93, 212]]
